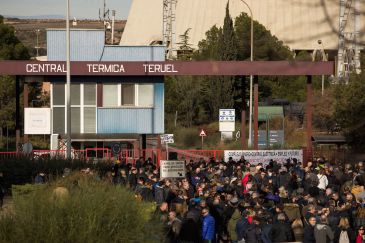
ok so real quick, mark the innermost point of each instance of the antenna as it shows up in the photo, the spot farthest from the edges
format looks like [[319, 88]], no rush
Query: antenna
[[105, 15]]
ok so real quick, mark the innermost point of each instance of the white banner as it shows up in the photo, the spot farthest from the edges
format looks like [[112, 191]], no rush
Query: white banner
[[264, 156], [172, 169], [37, 121]]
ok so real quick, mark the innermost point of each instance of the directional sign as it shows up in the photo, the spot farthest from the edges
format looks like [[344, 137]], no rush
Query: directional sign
[[202, 133], [227, 118], [227, 115], [167, 138]]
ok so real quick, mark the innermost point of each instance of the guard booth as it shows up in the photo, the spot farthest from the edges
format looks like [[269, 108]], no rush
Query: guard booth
[[106, 111]]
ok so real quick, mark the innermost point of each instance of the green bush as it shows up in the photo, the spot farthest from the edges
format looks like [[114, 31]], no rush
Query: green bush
[[22, 170], [92, 211]]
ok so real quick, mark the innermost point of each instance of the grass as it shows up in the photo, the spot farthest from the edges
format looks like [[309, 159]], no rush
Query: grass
[[90, 211]]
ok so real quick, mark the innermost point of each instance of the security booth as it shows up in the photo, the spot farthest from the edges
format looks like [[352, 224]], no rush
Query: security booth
[[107, 110]]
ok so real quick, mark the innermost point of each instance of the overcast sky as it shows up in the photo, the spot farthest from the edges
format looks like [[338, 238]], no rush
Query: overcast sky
[[79, 8]]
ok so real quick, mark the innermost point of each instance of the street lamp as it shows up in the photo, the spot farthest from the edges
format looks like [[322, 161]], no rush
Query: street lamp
[[37, 47], [324, 59], [251, 79], [68, 80]]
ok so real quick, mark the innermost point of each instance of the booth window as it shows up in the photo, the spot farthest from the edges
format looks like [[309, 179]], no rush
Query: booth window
[[58, 120], [89, 120], [75, 94], [145, 95], [58, 93], [128, 94], [110, 95], [75, 120], [89, 94]]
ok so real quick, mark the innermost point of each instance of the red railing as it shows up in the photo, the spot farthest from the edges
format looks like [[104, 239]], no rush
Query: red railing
[[195, 155]]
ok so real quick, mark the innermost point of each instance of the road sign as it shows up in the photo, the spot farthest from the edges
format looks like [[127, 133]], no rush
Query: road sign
[[167, 138], [202, 133], [227, 118], [227, 115], [116, 148]]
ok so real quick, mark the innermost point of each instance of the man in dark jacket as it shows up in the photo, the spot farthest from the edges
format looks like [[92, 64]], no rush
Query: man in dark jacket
[[309, 231], [281, 231], [253, 232], [241, 226]]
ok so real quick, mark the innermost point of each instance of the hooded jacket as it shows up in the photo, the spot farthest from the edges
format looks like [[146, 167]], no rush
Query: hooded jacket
[[323, 233]]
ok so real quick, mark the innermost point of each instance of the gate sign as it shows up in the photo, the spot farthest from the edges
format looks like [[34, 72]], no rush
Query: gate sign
[[264, 156], [172, 169], [167, 138]]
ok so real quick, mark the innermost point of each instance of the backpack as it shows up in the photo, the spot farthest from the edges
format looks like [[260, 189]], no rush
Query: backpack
[[344, 238]]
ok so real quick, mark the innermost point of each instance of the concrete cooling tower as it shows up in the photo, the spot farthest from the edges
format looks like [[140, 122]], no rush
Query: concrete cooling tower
[[298, 23]]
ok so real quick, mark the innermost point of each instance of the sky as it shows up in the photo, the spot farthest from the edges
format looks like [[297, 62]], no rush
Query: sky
[[81, 9]]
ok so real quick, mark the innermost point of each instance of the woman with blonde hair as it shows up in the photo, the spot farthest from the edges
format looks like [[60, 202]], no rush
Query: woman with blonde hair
[[298, 229], [344, 233]]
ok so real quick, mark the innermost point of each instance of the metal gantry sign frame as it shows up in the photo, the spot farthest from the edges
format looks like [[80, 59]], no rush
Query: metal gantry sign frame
[[183, 68]]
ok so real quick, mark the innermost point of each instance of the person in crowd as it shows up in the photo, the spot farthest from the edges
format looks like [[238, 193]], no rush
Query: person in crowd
[[253, 232], [360, 236], [208, 227], [280, 231], [174, 228], [309, 231], [344, 233], [298, 230], [322, 232], [322, 180]]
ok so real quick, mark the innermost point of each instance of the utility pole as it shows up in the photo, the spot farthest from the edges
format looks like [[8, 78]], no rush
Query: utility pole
[[68, 79]]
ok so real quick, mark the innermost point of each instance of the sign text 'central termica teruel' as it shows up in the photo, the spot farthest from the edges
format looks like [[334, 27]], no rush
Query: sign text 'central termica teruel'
[[193, 68]]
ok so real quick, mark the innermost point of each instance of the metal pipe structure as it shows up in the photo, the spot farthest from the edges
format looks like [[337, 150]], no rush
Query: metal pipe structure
[[256, 114], [324, 58], [251, 84], [309, 111], [113, 22], [68, 80]]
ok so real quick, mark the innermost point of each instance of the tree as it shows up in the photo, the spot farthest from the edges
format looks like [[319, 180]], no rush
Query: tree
[[350, 110], [218, 91], [185, 50], [10, 49]]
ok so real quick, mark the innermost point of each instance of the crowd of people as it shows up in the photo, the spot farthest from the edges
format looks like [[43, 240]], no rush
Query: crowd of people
[[235, 201]]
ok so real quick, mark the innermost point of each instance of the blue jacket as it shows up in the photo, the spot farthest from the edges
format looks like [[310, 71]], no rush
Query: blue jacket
[[208, 230]]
